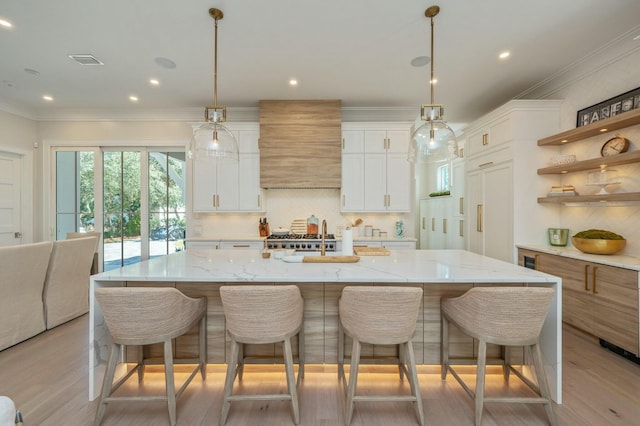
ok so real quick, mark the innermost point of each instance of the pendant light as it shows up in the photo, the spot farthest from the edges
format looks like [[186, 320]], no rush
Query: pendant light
[[212, 139], [433, 141]]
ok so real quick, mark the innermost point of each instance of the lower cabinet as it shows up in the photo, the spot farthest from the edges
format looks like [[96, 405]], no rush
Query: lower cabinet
[[597, 298]]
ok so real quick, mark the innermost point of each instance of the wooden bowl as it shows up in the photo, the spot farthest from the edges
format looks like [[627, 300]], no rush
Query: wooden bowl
[[595, 246]]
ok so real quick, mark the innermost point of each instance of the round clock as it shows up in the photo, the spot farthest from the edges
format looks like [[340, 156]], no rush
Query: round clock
[[614, 146]]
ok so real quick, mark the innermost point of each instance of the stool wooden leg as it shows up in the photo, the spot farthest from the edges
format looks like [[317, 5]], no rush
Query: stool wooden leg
[[169, 379], [444, 348], [340, 351], [413, 381], [291, 384], [402, 360], [202, 334], [543, 385], [353, 379], [228, 383], [240, 360], [107, 382], [140, 366], [301, 353], [506, 356], [480, 376]]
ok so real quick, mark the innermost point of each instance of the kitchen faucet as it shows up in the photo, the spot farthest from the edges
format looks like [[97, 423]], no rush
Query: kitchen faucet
[[324, 234]]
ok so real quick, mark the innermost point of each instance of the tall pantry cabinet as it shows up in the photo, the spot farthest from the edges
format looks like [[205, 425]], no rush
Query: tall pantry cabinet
[[502, 158]]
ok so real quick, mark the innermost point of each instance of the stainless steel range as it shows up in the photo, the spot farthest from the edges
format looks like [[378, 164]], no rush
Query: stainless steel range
[[302, 242]]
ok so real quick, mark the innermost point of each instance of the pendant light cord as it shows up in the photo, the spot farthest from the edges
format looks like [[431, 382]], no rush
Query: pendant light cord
[[215, 65], [432, 66]]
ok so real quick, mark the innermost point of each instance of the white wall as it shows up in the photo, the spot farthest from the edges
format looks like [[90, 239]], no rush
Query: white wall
[[17, 136], [617, 77]]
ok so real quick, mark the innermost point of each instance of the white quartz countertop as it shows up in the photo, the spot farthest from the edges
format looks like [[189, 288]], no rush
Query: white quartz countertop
[[622, 261], [410, 266]]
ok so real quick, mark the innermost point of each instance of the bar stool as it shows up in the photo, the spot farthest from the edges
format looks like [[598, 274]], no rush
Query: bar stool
[[380, 316], [143, 316], [507, 316], [258, 314]]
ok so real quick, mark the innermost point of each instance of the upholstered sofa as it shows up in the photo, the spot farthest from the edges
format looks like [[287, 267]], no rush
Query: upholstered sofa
[[42, 285]]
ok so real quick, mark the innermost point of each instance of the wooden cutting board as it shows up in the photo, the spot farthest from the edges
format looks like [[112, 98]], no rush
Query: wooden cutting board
[[330, 259], [371, 251]]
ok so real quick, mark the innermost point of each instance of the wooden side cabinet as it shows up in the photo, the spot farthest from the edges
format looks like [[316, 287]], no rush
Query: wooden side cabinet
[[597, 298]]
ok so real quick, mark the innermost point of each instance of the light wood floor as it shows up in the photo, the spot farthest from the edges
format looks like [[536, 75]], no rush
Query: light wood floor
[[47, 378]]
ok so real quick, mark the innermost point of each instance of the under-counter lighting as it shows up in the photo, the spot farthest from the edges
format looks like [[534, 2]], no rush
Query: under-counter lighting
[[564, 141], [504, 55], [6, 24], [604, 130]]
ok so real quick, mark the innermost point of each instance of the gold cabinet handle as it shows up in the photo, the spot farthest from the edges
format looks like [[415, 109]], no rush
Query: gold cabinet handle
[[461, 209], [461, 232], [259, 201], [485, 164], [444, 226], [485, 139], [433, 223], [388, 200], [595, 270], [213, 200], [424, 226], [479, 218], [218, 200], [586, 277], [536, 261]]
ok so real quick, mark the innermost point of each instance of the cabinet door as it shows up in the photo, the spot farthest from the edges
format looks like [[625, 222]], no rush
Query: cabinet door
[[458, 171], [374, 141], [353, 183], [352, 141], [398, 141], [398, 183], [375, 182], [614, 309], [498, 212], [475, 238], [204, 185], [249, 191], [227, 185]]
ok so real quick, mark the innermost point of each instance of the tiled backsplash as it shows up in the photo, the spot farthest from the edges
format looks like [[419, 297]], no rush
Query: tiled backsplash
[[285, 205]]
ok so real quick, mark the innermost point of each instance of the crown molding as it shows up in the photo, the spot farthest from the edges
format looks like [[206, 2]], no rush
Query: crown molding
[[595, 61]]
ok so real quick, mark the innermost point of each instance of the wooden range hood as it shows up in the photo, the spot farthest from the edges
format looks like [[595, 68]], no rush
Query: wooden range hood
[[300, 143]]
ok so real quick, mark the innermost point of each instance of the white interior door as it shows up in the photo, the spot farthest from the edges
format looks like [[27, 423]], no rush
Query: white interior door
[[10, 202]]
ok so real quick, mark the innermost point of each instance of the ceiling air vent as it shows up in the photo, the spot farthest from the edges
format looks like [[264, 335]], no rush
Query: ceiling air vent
[[86, 59]]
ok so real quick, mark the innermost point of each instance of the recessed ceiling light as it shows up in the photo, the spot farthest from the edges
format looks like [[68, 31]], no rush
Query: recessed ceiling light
[[133, 98], [420, 61], [154, 82], [47, 98], [293, 82], [165, 63], [4, 23], [504, 55], [434, 81]]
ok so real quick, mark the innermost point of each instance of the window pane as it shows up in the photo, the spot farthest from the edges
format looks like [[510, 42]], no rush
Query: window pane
[[166, 202]]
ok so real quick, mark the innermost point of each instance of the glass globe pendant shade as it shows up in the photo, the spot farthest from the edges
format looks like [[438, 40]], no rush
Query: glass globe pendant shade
[[433, 142], [215, 140]]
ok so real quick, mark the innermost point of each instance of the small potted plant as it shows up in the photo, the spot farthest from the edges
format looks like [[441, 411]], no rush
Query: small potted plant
[[598, 241]]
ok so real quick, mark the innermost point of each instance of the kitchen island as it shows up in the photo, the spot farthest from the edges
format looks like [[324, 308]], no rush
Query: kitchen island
[[440, 273]]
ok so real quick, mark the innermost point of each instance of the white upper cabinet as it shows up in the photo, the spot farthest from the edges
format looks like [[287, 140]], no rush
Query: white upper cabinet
[[230, 186], [376, 176]]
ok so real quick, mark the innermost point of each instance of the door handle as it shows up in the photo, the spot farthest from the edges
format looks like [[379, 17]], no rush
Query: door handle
[[433, 223], [461, 233], [586, 277], [424, 226], [479, 218], [461, 210]]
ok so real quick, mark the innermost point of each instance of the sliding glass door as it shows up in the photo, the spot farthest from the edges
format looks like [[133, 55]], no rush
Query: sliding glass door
[[140, 196]]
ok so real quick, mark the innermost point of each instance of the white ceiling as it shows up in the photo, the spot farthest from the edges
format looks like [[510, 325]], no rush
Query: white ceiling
[[355, 50]]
